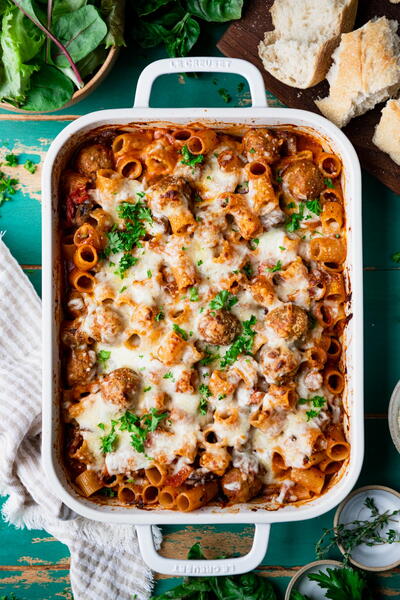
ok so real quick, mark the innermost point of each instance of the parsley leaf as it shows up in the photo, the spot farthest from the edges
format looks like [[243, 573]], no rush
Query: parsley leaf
[[248, 270], [275, 268], [102, 357], [137, 211], [341, 584], [243, 344], [168, 375], [126, 261], [108, 492], [208, 358], [223, 300], [314, 206], [108, 442], [30, 166], [11, 160], [254, 243], [328, 182], [294, 220], [7, 187], [194, 294], [160, 315], [140, 427], [205, 393], [180, 332], [317, 402], [190, 159]]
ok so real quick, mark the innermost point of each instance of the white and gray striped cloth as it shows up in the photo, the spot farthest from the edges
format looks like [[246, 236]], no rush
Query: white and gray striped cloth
[[105, 559]]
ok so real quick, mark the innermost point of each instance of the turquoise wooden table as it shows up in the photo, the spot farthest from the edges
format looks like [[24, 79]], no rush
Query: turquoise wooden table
[[34, 565]]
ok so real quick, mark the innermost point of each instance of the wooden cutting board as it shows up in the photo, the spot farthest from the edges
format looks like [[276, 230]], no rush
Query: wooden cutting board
[[241, 40]]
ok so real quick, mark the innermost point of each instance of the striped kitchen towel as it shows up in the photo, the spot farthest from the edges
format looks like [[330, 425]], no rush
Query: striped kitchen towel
[[105, 559]]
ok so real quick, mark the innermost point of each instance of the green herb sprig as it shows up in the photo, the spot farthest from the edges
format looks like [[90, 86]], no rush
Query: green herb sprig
[[224, 300], [243, 344]]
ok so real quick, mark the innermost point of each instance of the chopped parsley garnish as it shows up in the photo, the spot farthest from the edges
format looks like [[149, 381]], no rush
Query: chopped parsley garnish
[[208, 358], [240, 87], [248, 270], [194, 294], [136, 211], [7, 187], [180, 331], [190, 159], [225, 95], [108, 492], [282, 248], [251, 150], [11, 160], [243, 344], [205, 393], [317, 402], [147, 389], [140, 427], [126, 262], [279, 179], [314, 206], [160, 315], [328, 182], [149, 274], [102, 357], [101, 425], [396, 257], [242, 188], [199, 263], [108, 442], [290, 205], [221, 396], [294, 220], [30, 166], [254, 243], [223, 300], [123, 289], [275, 268], [168, 375]]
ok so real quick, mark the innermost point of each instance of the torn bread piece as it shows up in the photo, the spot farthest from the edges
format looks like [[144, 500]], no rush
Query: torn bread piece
[[387, 132], [365, 71], [298, 51]]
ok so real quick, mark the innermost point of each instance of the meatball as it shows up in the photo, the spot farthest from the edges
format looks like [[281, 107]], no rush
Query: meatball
[[289, 321], [92, 158], [279, 363], [72, 182], [303, 180], [105, 325], [219, 327], [120, 386], [239, 486], [81, 366], [261, 144], [72, 335]]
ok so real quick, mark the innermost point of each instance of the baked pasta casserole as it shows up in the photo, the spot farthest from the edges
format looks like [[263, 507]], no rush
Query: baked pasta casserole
[[204, 313]]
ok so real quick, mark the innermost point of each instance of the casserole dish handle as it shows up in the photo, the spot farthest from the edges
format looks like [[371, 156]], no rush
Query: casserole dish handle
[[200, 568], [205, 64]]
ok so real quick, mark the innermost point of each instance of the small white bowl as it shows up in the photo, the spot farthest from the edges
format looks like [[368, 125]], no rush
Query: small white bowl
[[371, 558], [394, 416], [302, 584]]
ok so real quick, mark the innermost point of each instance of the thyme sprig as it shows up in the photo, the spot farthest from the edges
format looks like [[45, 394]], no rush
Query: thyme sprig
[[367, 531]]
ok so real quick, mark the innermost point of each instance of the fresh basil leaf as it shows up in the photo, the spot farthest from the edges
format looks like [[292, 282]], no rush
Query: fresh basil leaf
[[183, 36], [80, 32], [216, 10], [62, 7], [151, 33], [146, 7], [20, 41], [50, 89], [113, 13]]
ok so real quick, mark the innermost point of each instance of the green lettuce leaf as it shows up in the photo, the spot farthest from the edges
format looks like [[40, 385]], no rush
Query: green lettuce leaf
[[80, 32], [20, 42], [50, 90], [62, 7], [112, 12]]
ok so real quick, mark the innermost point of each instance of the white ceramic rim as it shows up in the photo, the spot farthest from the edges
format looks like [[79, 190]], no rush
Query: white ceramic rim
[[259, 115], [303, 570], [394, 416], [336, 518]]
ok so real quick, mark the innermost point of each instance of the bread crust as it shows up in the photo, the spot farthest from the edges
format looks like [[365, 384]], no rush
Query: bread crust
[[366, 70], [387, 132], [322, 58]]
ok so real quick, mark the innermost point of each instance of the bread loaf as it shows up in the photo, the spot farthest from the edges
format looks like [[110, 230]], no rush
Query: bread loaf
[[387, 132], [306, 32]]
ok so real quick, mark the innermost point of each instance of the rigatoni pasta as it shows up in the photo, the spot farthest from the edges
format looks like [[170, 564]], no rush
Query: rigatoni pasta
[[204, 316]]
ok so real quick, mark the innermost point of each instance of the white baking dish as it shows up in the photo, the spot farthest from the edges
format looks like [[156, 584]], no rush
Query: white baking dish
[[257, 115]]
